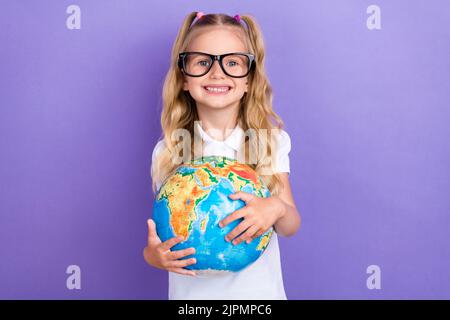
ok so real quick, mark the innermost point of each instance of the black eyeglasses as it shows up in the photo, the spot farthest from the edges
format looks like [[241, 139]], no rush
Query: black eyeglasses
[[197, 64]]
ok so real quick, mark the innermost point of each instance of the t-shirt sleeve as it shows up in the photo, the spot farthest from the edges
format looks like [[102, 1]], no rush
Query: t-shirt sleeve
[[282, 155], [158, 147], [156, 150]]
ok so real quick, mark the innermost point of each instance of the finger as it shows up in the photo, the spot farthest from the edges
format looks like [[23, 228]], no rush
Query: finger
[[181, 263], [241, 227], [256, 235], [240, 213], [178, 254], [183, 271], [244, 196], [246, 235], [166, 245], [152, 235]]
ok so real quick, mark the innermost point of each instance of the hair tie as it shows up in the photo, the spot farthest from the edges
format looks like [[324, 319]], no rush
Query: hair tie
[[237, 18], [200, 14]]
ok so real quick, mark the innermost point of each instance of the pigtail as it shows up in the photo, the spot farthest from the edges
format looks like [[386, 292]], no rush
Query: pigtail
[[256, 38], [182, 33]]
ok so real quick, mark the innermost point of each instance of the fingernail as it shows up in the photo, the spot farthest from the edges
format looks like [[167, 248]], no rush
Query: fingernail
[[221, 224], [194, 260], [234, 242], [227, 239]]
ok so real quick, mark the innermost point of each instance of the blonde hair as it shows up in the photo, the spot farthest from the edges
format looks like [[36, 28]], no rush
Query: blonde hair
[[255, 112]]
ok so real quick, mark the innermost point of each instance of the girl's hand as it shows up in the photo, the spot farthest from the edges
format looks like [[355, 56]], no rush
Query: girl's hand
[[259, 215], [159, 255]]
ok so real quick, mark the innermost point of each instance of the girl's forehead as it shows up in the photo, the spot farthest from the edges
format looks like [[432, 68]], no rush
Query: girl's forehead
[[217, 40]]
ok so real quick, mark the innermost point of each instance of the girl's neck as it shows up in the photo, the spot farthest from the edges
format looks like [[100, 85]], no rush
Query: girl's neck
[[218, 124]]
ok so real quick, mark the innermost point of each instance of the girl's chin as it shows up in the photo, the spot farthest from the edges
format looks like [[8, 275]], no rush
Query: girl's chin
[[207, 95], [215, 105]]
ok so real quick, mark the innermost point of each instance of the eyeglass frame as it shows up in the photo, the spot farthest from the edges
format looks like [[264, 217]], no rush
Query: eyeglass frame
[[219, 58]]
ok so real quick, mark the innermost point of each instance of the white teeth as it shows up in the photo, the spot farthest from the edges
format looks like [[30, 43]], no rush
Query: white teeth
[[217, 89]]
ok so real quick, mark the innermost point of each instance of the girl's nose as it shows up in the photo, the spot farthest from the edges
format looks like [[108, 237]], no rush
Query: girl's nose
[[216, 70]]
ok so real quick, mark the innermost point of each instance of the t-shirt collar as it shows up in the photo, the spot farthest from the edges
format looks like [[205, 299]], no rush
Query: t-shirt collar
[[233, 140]]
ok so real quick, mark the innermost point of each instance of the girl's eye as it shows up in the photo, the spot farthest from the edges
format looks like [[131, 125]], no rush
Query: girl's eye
[[233, 63], [203, 63]]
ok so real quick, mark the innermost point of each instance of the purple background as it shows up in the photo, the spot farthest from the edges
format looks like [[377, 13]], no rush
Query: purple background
[[367, 111]]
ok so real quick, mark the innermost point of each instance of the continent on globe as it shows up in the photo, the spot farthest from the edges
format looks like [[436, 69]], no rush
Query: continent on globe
[[191, 203]]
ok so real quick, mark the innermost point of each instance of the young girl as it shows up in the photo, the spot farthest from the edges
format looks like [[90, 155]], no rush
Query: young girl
[[219, 101]]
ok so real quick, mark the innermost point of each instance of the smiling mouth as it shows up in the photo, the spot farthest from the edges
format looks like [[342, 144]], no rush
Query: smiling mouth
[[217, 90]]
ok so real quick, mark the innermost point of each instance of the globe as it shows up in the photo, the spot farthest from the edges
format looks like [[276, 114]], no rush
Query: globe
[[194, 199]]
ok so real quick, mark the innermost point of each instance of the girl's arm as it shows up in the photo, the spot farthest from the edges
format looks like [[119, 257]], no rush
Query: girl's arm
[[289, 221]]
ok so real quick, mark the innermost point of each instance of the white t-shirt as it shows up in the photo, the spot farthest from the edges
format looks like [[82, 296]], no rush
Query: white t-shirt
[[260, 280]]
